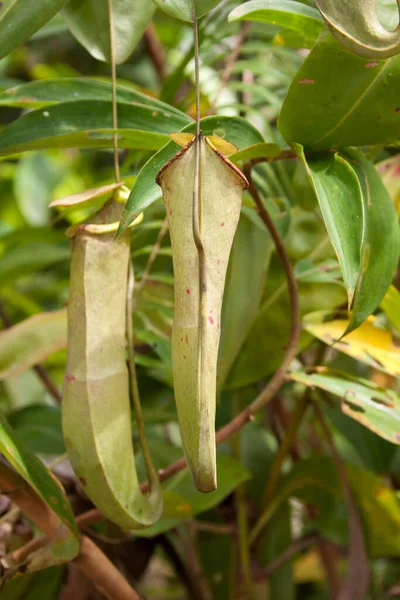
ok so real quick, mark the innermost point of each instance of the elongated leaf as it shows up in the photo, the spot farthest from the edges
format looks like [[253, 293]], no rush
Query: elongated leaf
[[89, 22], [66, 545], [145, 191], [260, 150], [37, 94], [183, 9], [88, 124], [248, 264], [30, 257], [20, 19], [391, 306], [369, 343], [356, 25], [265, 344], [40, 428], [285, 13], [30, 587], [372, 406], [31, 341], [37, 175], [340, 99], [362, 224], [198, 292]]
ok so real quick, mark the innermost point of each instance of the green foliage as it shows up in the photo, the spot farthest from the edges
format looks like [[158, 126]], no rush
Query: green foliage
[[308, 93]]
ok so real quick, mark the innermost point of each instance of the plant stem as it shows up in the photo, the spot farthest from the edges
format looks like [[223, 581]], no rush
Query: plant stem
[[196, 212], [103, 573], [284, 448], [230, 63], [276, 467], [356, 582], [151, 473], [242, 524], [296, 546], [149, 264], [291, 350], [114, 90], [155, 50]]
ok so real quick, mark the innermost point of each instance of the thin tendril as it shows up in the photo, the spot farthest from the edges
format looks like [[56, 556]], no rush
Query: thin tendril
[[114, 91]]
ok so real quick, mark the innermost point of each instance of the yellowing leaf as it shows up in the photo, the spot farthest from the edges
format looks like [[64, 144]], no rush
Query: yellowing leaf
[[226, 148], [370, 344], [391, 306], [182, 139], [222, 145], [221, 187]]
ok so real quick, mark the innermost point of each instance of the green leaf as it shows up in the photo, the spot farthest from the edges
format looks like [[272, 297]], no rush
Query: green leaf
[[35, 473], [372, 406], [88, 124], [248, 265], [40, 428], [36, 177], [183, 9], [275, 540], [315, 481], [30, 587], [230, 475], [30, 257], [357, 26], [20, 19], [285, 13], [261, 150], [340, 99], [145, 191], [89, 22], [289, 38], [31, 342], [37, 94], [360, 445], [66, 546], [264, 346], [362, 224], [391, 306]]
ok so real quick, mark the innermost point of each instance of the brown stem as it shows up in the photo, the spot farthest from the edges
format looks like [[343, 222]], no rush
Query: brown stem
[[103, 573], [356, 582], [21, 494], [179, 565], [296, 546], [155, 50], [230, 63], [40, 370], [193, 563], [284, 449], [291, 350], [214, 528]]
